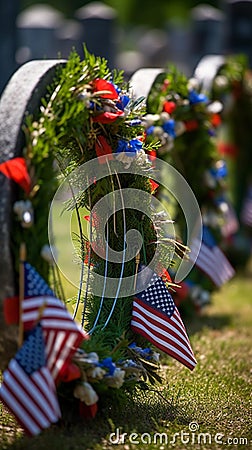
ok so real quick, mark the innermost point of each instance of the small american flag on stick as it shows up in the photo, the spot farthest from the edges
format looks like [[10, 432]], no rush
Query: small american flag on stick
[[211, 259], [156, 318], [61, 332], [28, 389]]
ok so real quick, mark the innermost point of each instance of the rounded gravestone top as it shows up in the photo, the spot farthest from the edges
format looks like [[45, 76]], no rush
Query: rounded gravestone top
[[39, 16], [142, 81], [206, 12], [207, 69], [96, 10], [21, 97]]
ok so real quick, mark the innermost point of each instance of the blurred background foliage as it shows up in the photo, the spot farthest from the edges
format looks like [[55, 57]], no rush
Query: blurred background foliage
[[133, 12]]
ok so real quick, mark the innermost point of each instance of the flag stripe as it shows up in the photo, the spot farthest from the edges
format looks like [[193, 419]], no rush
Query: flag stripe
[[18, 409], [169, 323], [23, 396], [212, 262], [21, 388], [170, 344], [162, 347], [206, 262]]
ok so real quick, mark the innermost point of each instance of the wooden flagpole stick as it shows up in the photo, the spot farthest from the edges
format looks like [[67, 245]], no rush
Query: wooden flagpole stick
[[22, 258], [136, 272]]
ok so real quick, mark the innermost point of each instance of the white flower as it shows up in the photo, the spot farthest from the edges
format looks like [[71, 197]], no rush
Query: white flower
[[93, 357], [223, 207], [164, 116], [193, 83], [180, 128], [215, 107], [150, 119], [85, 97], [24, 210], [125, 159], [95, 373], [86, 393], [158, 131], [21, 206], [155, 356], [221, 82], [116, 380], [142, 158]]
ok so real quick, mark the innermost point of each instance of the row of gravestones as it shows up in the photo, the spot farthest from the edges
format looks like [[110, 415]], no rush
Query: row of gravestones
[[43, 32], [30, 82]]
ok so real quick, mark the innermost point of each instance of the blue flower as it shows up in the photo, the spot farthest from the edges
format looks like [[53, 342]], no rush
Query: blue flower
[[133, 345], [195, 97], [144, 352], [150, 130], [211, 132], [122, 146], [169, 127], [220, 171], [124, 100], [133, 146], [108, 364]]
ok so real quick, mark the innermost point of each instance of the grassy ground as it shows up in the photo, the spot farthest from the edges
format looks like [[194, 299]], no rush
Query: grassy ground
[[209, 408]]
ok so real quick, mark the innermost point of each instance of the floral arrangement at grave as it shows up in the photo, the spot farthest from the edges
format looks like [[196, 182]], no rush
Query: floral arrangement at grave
[[184, 121], [89, 135], [233, 85]]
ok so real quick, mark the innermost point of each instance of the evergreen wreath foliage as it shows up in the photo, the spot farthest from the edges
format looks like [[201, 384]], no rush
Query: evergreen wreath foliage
[[233, 86], [184, 121]]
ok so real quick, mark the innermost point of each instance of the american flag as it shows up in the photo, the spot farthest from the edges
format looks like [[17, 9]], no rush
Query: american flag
[[62, 334], [230, 223], [210, 259], [155, 317], [28, 389], [246, 212]]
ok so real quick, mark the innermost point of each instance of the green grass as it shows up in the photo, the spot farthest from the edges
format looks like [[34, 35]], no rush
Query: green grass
[[215, 398]]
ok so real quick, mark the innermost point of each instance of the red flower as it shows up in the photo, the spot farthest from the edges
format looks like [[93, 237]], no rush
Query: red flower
[[102, 85], [16, 170], [103, 149], [165, 276], [69, 372], [227, 148], [169, 107], [216, 120], [152, 154], [191, 125], [154, 185], [107, 117]]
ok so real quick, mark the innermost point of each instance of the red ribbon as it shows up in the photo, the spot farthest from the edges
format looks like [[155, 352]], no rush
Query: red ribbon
[[103, 149]]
